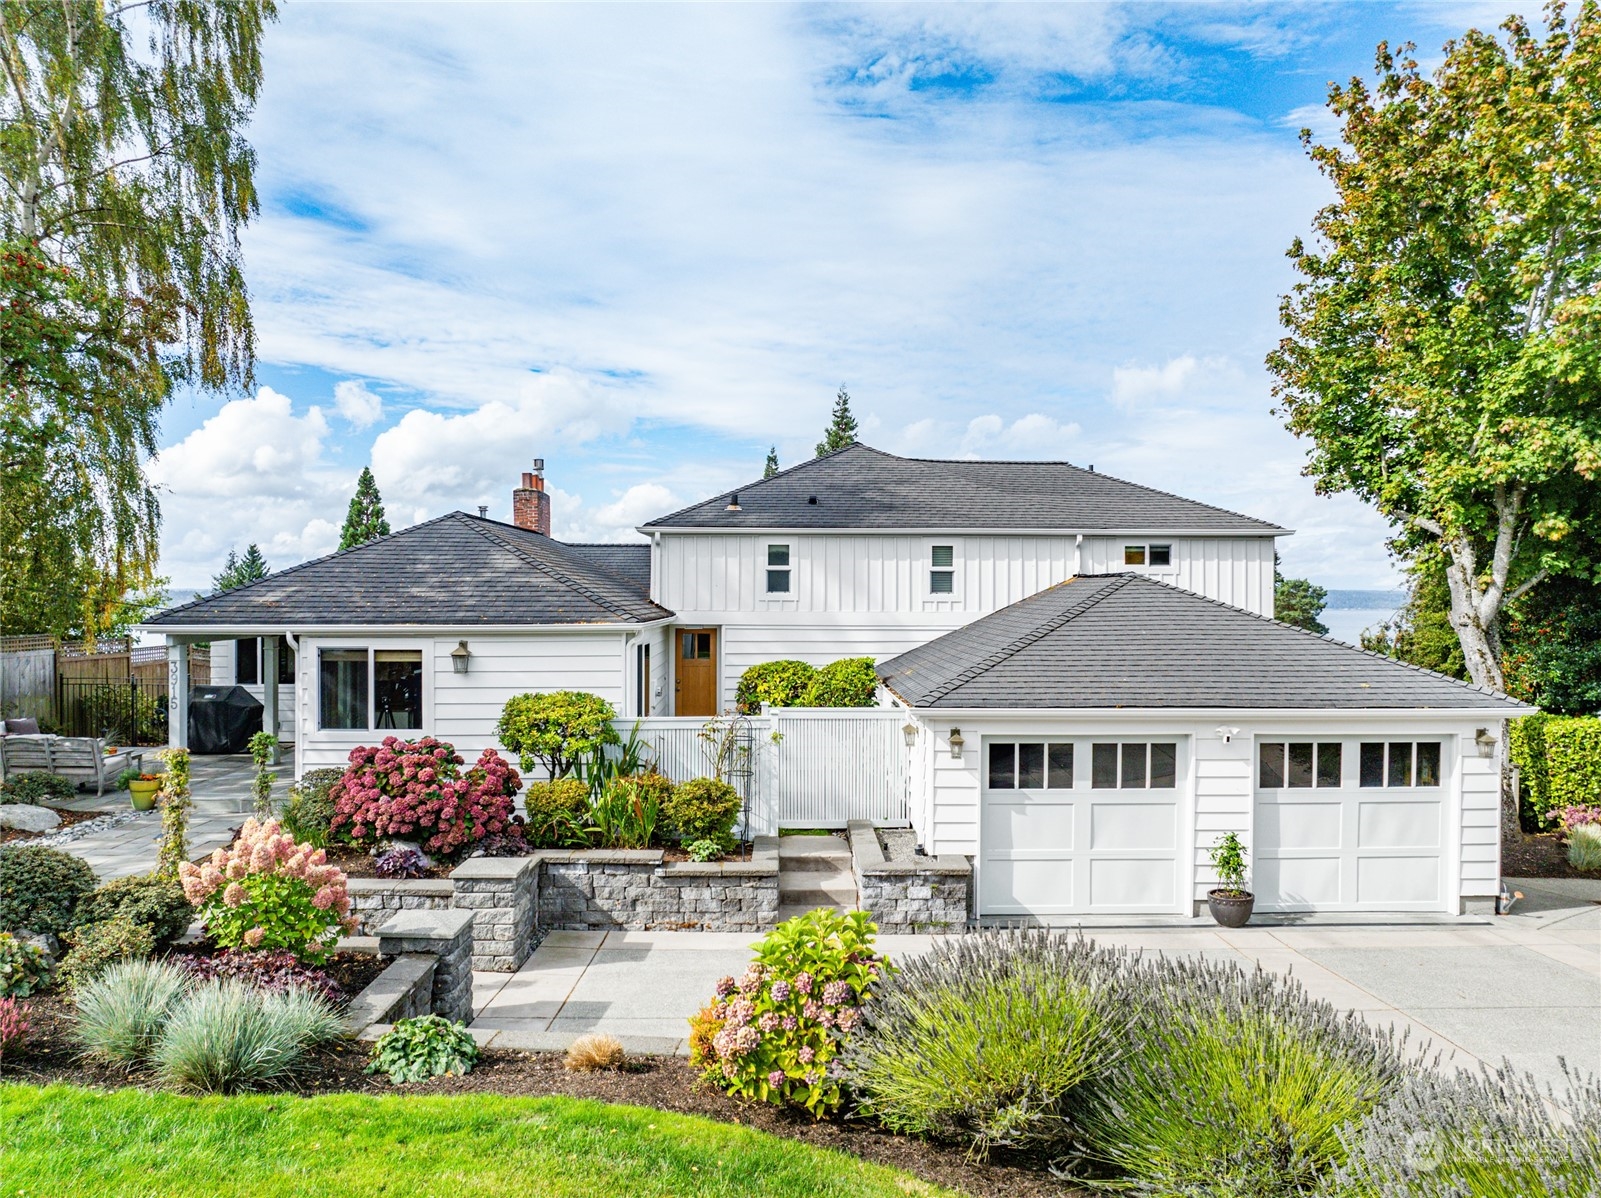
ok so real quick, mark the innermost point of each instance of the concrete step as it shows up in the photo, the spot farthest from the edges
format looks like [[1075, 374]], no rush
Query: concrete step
[[819, 896], [815, 863], [800, 847], [791, 910]]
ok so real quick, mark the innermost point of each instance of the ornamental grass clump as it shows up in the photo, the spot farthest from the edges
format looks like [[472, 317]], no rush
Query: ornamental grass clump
[[123, 1009], [1584, 846], [772, 1034], [417, 790], [266, 891], [224, 1037], [1490, 1134], [1232, 1084], [988, 1039]]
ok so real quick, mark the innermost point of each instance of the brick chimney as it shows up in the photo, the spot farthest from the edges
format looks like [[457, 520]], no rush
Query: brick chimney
[[530, 505]]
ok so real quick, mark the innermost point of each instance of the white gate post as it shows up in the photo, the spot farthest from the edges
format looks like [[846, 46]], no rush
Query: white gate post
[[177, 693]]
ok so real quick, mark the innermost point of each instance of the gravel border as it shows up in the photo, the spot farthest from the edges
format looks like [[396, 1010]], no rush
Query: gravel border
[[89, 827]]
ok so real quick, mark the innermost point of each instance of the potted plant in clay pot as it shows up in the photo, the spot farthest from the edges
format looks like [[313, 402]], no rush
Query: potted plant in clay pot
[[142, 789], [1230, 902]]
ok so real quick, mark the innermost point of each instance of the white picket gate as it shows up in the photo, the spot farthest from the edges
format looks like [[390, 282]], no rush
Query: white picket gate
[[808, 768]]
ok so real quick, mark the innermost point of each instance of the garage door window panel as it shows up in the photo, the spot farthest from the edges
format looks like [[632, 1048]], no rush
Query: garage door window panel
[[1400, 764], [1298, 765], [1003, 766]]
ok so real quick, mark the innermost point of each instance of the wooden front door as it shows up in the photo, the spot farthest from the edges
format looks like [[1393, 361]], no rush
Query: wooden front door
[[695, 684]]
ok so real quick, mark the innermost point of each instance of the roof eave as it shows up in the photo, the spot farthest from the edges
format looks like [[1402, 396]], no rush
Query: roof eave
[[1271, 530], [231, 631], [1505, 709]]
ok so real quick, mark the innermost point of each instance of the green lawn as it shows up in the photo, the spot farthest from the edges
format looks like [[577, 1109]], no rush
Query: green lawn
[[63, 1140]]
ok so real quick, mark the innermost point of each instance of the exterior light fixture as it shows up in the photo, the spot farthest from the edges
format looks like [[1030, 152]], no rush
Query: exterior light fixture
[[909, 731], [1227, 734], [1486, 740], [459, 656], [956, 744]]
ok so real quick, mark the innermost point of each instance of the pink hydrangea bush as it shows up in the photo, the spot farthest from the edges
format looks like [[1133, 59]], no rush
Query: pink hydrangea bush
[[267, 892], [416, 790], [772, 1033]]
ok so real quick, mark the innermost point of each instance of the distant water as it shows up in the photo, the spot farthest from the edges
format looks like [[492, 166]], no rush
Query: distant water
[[1350, 613]]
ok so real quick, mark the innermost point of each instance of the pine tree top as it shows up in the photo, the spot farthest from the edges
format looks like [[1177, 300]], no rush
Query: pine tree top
[[841, 431], [771, 468], [365, 521]]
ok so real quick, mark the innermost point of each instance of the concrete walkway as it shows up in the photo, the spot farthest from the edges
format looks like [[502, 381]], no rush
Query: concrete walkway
[[1525, 986], [220, 787]]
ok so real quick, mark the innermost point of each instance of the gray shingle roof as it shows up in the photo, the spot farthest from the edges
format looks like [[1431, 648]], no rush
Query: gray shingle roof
[[1123, 640], [860, 487], [629, 562], [456, 571]]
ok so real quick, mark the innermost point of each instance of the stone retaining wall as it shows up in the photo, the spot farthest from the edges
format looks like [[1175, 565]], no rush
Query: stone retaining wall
[[373, 900], [501, 893], [448, 937], [402, 991], [600, 890], [904, 892]]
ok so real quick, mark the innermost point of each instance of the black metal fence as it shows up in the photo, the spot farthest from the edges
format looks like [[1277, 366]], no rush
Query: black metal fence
[[125, 713]]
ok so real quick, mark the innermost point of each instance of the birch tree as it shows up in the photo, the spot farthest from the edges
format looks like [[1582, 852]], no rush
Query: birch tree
[[1443, 353], [125, 178]]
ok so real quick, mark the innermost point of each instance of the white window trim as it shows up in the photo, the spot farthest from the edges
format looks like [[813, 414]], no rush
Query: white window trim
[[954, 595], [767, 543], [312, 660]]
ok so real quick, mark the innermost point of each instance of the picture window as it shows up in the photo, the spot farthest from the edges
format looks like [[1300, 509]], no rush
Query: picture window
[[368, 689]]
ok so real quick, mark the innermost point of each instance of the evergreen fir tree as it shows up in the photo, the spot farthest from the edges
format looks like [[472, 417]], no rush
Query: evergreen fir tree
[[365, 520], [841, 430], [236, 570], [772, 463]]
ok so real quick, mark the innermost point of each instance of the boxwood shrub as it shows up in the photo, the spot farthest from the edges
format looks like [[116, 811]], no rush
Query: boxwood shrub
[[702, 809], [555, 813], [40, 888]]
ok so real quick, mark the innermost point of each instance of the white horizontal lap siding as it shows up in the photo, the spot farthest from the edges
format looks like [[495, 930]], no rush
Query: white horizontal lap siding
[[955, 797], [1481, 819], [1224, 794], [1233, 570], [467, 706], [463, 708]]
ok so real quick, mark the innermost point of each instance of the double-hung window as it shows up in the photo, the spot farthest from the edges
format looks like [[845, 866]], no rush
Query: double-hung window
[[778, 569], [942, 569], [364, 690]]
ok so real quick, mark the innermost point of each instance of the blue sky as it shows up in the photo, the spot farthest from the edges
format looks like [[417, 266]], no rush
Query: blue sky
[[644, 243]]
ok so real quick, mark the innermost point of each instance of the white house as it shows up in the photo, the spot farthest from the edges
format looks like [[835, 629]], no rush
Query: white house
[[1092, 687]]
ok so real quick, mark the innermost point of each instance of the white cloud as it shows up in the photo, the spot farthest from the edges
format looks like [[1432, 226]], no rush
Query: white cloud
[[251, 473], [614, 521], [357, 404]]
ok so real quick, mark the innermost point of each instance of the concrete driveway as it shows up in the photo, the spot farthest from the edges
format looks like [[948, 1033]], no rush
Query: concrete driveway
[[1524, 986]]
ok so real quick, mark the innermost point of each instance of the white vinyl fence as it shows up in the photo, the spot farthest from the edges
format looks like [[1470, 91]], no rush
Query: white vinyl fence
[[797, 768]]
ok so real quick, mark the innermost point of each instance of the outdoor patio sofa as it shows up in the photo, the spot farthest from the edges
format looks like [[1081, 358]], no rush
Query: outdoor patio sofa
[[82, 759]]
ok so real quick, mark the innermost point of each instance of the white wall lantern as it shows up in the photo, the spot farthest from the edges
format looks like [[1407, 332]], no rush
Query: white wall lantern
[[1486, 740], [459, 657], [956, 744], [909, 731]]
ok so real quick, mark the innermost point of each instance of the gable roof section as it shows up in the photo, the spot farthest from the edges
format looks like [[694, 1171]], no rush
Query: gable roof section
[[629, 562], [860, 487], [454, 571], [1123, 640]]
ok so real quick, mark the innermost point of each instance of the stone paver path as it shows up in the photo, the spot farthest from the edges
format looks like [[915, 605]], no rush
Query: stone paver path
[[1526, 986], [221, 790]]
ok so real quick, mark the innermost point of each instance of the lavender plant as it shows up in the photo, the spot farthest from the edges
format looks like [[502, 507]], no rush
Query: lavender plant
[[1234, 1084], [1490, 1134], [987, 1039]]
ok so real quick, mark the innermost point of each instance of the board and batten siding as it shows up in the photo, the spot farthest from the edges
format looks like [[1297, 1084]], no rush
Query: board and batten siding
[[704, 576], [463, 708]]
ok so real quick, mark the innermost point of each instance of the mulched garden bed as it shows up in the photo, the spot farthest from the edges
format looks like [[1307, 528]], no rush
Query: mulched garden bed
[[68, 818], [1541, 855], [47, 1055], [359, 863]]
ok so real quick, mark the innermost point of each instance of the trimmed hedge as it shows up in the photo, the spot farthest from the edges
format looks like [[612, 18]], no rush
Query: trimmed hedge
[[848, 682], [702, 809], [776, 683], [1559, 763]]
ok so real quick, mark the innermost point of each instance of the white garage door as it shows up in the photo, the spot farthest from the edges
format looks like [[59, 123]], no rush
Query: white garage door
[[1350, 826], [1060, 840]]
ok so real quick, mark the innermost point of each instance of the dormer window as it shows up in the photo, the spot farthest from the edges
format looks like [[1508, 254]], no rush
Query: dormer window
[[942, 569], [778, 569]]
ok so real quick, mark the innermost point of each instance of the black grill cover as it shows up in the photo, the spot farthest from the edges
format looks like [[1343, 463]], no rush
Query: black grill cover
[[222, 719]]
